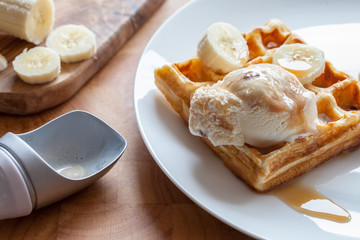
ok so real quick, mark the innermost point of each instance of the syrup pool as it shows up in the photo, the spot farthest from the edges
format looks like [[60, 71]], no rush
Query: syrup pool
[[309, 201]]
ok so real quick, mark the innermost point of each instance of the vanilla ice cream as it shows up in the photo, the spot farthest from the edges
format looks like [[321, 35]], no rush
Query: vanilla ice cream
[[260, 105]]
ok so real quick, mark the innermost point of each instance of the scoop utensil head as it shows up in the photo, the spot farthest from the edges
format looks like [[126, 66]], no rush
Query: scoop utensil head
[[45, 165]]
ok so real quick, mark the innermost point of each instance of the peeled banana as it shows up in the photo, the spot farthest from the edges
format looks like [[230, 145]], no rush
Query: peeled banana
[[3, 63], [31, 20], [37, 65], [305, 61], [72, 42], [223, 48]]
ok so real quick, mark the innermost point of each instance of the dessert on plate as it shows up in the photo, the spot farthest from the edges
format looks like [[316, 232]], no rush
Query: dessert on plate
[[268, 104]]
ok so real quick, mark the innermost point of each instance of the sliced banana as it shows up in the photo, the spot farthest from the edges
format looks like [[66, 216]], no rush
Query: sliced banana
[[3, 63], [72, 42], [37, 65], [305, 61], [31, 20], [223, 48]]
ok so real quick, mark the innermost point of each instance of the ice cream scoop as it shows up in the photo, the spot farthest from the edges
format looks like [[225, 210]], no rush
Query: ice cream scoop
[[58, 159], [260, 105]]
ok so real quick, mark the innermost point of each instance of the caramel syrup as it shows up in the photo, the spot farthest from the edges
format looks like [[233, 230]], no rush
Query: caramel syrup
[[309, 201]]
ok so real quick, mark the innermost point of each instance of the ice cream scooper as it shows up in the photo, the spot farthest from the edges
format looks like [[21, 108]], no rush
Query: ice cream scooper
[[45, 165]]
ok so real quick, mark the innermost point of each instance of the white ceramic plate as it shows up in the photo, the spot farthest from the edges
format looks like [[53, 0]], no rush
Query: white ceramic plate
[[196, 170]]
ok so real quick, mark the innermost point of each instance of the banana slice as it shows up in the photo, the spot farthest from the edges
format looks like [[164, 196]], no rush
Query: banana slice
[[223, 48], [306, 62], [3, 63], [72, 42], [31, 20], [38, 65]]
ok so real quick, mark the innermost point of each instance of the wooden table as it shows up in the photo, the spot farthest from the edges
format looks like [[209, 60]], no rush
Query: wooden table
[[135, 200]]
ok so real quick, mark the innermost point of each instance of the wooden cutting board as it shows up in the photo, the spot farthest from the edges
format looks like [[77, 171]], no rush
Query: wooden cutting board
[[112, 21]]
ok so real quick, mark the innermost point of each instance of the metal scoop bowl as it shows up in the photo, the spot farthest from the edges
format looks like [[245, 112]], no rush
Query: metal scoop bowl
[[45, 165]]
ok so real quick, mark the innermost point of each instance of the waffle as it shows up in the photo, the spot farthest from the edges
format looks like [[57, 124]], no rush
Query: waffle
[[337, 97]]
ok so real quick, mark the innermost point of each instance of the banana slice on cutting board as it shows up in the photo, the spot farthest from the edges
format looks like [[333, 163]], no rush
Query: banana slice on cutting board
[[223, 48], [72, 42], [305, 61], [3, 63], [31, 20], [37, 65]]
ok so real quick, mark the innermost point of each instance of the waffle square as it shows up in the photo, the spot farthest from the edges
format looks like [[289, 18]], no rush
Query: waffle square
[[337, 98]]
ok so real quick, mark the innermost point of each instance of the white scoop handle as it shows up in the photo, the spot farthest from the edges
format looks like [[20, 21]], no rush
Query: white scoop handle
[[15, 199]]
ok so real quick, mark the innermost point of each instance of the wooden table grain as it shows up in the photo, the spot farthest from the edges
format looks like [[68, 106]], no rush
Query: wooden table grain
[[135, 200]]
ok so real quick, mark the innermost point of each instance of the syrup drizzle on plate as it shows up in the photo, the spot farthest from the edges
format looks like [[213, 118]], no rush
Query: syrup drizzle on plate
[[309, 201]]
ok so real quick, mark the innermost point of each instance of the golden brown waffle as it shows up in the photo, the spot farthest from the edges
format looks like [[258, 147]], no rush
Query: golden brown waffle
[[338, 101]]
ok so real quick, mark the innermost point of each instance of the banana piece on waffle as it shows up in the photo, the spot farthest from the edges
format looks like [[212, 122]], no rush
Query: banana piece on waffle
[[337, 99]]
